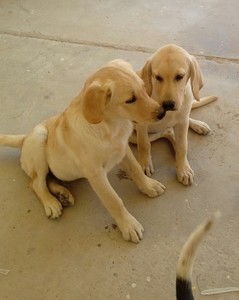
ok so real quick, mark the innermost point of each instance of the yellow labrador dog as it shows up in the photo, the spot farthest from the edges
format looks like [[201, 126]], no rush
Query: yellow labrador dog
[[173, 78], [87, 140]]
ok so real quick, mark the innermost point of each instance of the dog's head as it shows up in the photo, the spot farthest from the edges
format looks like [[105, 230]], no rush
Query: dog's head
[[166, 74], [116, 92]]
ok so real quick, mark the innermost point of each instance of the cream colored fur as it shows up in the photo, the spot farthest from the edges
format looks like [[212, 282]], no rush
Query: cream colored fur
[[87, 140], [173, 74]]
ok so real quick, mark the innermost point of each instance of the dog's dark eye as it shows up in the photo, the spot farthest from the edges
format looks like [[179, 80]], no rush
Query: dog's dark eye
[[131, 100], [179, 77], [159, 78]]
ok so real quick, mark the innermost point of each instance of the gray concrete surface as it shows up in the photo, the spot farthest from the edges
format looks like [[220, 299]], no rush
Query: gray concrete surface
[[47, 50]]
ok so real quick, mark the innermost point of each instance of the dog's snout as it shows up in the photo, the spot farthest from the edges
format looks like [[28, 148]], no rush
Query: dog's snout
[[169, 105]]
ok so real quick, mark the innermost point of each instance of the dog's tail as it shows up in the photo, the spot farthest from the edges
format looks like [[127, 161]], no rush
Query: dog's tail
[[186, 259], [14, 141], [204, 101]]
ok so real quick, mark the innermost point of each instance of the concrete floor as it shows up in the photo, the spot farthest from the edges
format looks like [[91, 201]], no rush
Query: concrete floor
[[47, 51]]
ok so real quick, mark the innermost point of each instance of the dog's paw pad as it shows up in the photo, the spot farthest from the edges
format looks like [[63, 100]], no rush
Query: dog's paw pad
[[65, 198]]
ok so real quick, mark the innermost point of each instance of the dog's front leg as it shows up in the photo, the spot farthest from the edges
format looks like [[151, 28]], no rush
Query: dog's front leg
[[184, 171], [146, 185], [144, 149], [131, 229]]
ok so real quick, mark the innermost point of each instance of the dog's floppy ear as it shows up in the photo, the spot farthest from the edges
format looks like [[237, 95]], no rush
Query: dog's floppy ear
[[196, 78], [146, 75], [95, 99]]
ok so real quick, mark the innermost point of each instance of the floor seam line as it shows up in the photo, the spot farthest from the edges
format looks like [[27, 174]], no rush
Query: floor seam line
[[40, 36]]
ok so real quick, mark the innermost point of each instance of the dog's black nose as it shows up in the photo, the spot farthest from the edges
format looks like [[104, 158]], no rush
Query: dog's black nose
[[169, 105]]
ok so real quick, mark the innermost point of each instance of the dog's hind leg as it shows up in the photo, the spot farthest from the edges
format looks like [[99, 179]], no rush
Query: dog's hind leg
[[196, 125], [59, 191], [34, 163], [199, 127]]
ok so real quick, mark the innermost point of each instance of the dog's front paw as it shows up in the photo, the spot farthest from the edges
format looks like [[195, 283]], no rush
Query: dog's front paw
[[152, 187], [130, 228], [185, 175], [53, 208]]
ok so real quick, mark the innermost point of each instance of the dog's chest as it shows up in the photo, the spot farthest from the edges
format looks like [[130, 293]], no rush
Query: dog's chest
[[114, 151], [111, 141]]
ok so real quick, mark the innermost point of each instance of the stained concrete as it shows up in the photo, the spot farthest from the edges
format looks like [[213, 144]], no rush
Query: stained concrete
[[47, 51]]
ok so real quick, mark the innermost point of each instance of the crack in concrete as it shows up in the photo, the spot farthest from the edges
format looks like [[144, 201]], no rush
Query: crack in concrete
[[40, 36]]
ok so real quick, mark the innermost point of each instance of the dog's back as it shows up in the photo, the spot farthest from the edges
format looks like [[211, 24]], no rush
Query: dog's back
[[186, 259]]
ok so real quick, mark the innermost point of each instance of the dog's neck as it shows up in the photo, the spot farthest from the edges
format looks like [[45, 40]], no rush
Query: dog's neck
[[115, 128]]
